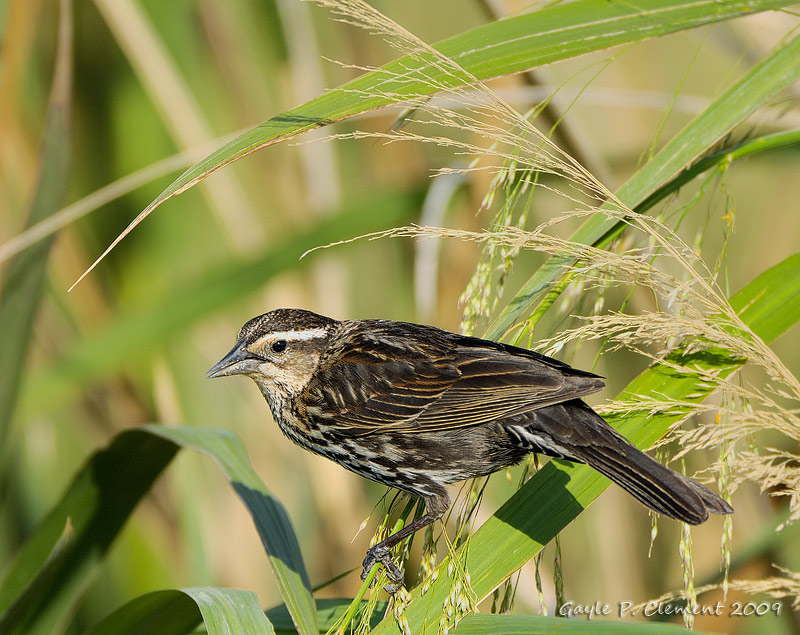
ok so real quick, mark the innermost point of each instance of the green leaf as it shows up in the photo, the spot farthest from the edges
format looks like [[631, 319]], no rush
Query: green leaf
[[17, 611], [507, 46], [762, 83], [771, 307], [329, 611], [24, 279], [100, 500], [230, 611], [511, 45], [478, 624], [169, 612], [560, 490], [222, 611], [97, 504], [269, 515], [724, 156]]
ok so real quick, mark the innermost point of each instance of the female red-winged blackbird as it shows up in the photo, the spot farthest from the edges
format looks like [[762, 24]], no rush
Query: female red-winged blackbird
[[416, 407]]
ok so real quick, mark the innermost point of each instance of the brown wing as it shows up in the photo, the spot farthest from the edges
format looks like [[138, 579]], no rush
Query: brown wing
[[411, 378]]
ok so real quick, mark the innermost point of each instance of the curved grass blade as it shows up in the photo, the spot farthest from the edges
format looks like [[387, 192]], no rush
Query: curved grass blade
[[503, 47], [230, 611], [169, 612], [173, 612], [100, 500], [560, 490], [763, 82], [478, 624], [773, 305], [141, 332], [97, 503], [270, 517], [329, 612], [726, 155], [17, 612]]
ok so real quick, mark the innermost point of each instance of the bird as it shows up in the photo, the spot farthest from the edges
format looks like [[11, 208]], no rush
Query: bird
[[416, 408]]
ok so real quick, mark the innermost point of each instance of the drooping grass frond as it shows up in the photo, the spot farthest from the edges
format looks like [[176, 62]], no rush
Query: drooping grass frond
[[476, 108], [776, 471]]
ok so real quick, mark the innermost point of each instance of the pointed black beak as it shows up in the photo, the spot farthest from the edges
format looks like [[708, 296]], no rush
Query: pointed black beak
[[239, 361]]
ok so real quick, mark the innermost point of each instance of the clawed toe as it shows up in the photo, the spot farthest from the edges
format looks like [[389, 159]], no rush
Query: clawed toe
[[392, 588], [393, 572], [369, 562]]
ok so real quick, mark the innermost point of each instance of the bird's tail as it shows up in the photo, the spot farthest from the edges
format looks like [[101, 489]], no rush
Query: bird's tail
[[575, 432]]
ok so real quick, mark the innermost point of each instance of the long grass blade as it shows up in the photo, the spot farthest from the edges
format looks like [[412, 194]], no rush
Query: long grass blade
[[536, 625], [17, 612], [141, 332], [270, 517], [173, 612], [99, 502], [507, 46]]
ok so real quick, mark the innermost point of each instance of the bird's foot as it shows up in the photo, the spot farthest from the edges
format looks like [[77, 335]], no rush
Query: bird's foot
[[393, 572]]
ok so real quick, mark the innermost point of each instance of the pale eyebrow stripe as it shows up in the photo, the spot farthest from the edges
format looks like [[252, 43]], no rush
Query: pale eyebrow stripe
[[290, 336]]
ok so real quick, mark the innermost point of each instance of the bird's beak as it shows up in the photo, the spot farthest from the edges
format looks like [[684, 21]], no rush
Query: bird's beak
[[239, 361]]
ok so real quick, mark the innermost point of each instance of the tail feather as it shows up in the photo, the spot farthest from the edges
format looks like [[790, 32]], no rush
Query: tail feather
[[575, 432], [656, 486]]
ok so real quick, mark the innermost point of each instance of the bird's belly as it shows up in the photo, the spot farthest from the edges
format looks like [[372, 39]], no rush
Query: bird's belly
[[421, 462]]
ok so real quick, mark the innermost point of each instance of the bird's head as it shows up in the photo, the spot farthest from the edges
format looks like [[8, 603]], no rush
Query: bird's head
[[279, 350]]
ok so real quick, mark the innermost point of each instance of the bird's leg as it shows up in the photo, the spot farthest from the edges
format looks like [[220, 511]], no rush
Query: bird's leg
[[380, 552], [435, 507]]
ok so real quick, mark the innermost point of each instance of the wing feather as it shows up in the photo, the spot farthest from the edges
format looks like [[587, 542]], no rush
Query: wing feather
[[415, 379]]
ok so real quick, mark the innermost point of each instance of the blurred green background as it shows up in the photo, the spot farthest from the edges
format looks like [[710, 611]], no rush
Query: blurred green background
[[131, 343]]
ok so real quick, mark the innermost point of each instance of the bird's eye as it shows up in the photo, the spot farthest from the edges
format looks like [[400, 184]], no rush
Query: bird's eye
[[278, 346]]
